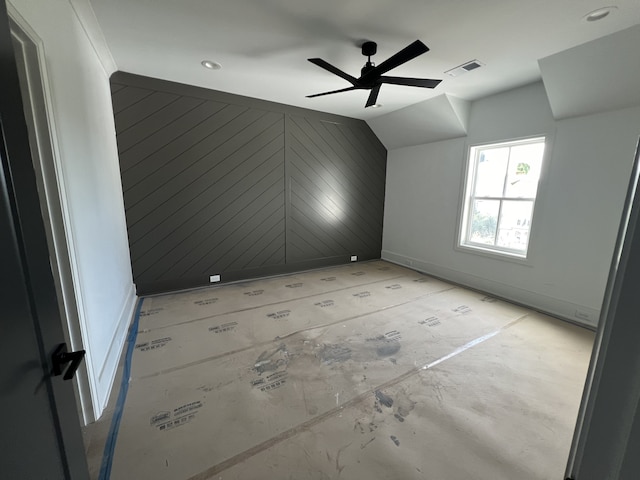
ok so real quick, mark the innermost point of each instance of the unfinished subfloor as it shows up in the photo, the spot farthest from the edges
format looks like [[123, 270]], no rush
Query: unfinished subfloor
[[362, 371]]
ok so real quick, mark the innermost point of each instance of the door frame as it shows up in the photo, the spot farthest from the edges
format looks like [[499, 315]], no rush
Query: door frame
[[34, 82], [48, 441], [607, 431]]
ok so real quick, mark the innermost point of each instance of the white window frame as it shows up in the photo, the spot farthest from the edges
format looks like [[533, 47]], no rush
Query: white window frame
[[470, 175]]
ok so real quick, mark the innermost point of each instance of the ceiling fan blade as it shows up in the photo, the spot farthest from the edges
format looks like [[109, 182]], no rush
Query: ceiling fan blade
[[408, 53], [333, 91], [373, 96], [411, 82], [336, 71]]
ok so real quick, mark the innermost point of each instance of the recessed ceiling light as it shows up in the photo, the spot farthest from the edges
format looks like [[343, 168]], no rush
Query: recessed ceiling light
[[211, 65], [599, 14]]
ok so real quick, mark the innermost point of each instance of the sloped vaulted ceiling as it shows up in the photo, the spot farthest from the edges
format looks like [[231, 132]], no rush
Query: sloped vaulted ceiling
[[600, 75], [439, 118], [597, 76]]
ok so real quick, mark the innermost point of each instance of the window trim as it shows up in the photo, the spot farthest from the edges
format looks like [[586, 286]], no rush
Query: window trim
[[469, 176]]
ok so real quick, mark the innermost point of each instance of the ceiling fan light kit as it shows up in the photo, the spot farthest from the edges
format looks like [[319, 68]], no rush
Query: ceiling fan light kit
[[372, 76]]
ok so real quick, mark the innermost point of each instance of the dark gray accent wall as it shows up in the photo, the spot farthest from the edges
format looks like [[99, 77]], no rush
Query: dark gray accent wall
[[216, 183], [336, 179]]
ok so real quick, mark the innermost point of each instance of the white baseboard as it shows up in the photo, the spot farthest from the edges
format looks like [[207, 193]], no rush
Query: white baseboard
[[107, 372], [578, 314]]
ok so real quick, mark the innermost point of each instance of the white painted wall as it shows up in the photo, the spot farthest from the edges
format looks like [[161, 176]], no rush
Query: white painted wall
[[576, 220], [77, 69]]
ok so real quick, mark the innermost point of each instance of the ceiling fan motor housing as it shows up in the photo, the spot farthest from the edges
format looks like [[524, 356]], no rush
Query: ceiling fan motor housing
[[367, 68]]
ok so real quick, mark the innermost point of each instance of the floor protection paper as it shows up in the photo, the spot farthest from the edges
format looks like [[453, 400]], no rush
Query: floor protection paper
[[368, 370]]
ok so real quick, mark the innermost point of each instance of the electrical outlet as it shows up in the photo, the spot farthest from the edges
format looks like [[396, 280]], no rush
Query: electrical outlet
[[354, 258], [214, 278]]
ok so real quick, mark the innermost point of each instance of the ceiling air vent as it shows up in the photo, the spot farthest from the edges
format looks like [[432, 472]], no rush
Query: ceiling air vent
[[464, 68]]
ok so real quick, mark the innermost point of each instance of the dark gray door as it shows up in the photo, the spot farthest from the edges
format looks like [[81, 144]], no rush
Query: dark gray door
[[40, 436]]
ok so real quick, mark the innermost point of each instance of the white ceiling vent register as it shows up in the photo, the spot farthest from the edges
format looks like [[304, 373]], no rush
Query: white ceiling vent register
[[464, 68]]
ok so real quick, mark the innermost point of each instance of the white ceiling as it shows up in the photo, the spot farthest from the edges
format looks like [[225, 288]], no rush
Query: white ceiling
[[263, 44]]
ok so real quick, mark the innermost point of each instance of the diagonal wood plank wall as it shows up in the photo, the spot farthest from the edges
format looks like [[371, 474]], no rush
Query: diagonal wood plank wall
[[336, 189], [216, 183]]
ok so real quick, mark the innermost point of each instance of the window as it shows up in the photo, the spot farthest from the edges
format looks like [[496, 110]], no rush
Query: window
[[502, 182]]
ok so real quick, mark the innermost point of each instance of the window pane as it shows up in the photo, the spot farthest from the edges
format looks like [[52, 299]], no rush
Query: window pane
[[484, 221], [491, 169], [515, 221], [502, 185], [524, 170]]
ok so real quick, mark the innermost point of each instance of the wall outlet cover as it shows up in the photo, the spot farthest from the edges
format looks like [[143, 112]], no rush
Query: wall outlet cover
[[354, 258], [214, 278]]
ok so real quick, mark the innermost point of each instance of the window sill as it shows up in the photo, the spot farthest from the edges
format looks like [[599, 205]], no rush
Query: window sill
[[496, 255]]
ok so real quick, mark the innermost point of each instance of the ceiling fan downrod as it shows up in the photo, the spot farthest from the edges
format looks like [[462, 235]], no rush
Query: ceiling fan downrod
[[368, 50]]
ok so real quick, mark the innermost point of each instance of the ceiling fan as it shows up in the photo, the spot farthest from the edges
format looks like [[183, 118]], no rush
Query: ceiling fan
[[371, 76]]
